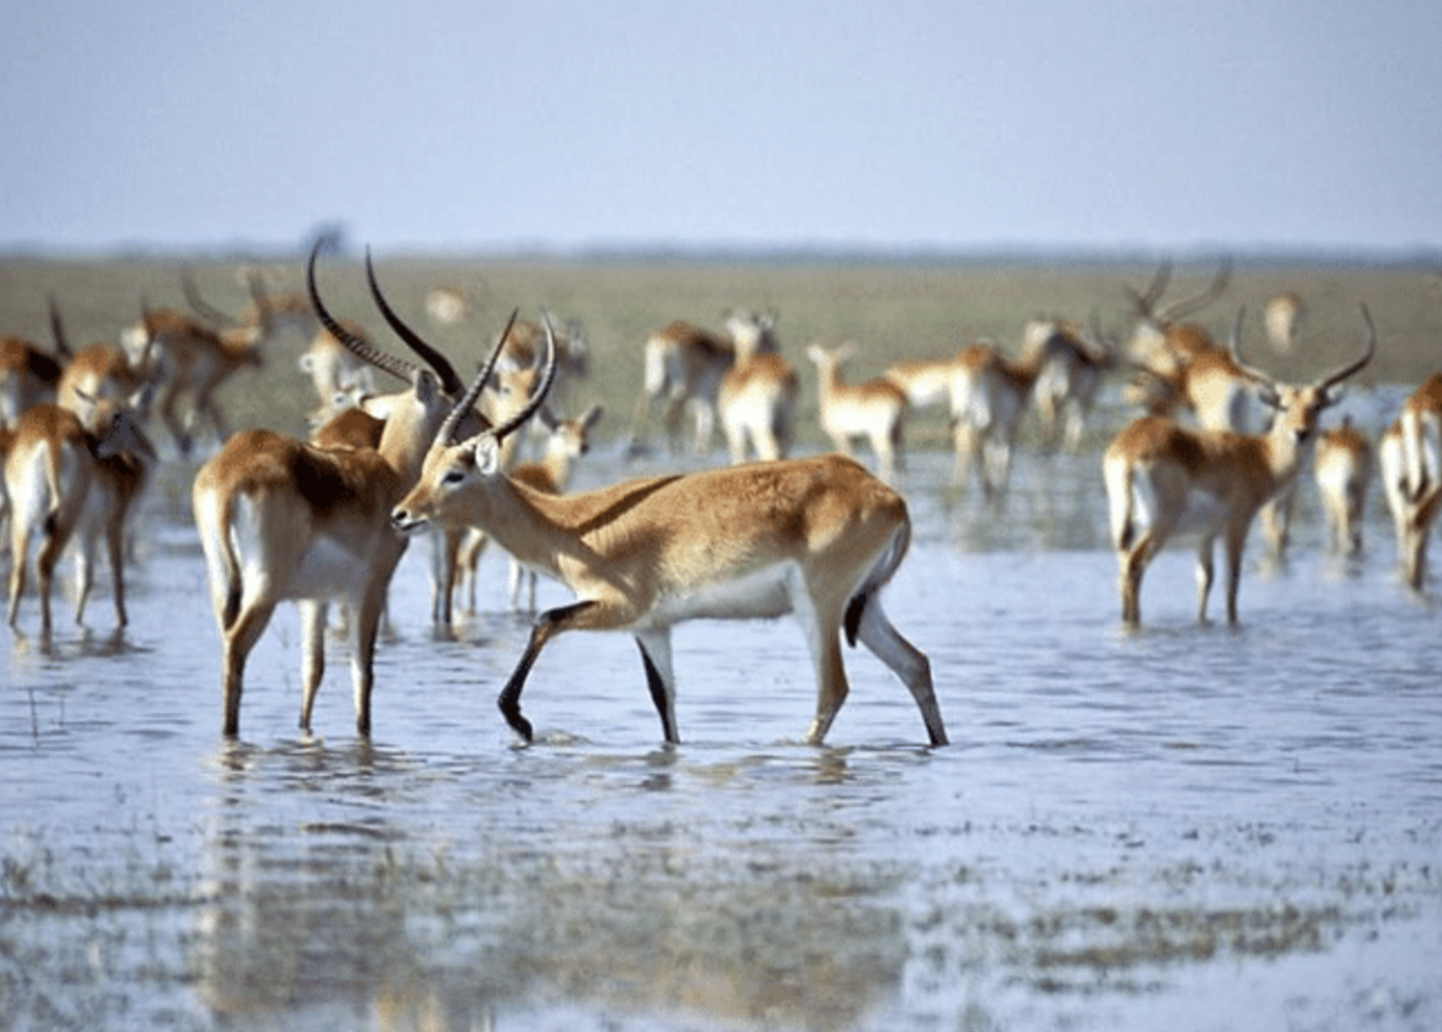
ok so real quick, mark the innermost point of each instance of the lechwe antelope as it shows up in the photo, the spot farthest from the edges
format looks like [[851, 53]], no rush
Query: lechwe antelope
[[1343, 471], [1283, 318], [1070, 364], [1410, 456], [989, 395], [29, 376], [684, 365], [874, 409], [1162, 478], [283, 520], [817, 537], [757, 396], [63, 477]]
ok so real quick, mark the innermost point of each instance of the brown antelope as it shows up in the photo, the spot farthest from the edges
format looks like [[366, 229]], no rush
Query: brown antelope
[[29, 376], [684, 365], [1343, 471], [192, 360], [989, 396], [925, 381], [1178, 365], [874, 409], [816, 537], [62, 478], [757, 396], [283, 520], [1283, 319], [1410, 456], [1162, 478], [1070, 365]]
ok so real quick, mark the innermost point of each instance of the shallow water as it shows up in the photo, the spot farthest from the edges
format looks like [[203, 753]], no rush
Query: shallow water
[[1190, 826]]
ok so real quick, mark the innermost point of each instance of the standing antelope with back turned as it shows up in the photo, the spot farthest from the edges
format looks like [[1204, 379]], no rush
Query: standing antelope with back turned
[[817, 537], [281, 520]]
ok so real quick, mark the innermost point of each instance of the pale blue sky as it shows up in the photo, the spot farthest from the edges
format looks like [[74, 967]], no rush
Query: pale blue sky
[[432, 124]]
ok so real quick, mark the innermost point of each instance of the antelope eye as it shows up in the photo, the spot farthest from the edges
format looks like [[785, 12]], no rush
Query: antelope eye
[[453, 476]]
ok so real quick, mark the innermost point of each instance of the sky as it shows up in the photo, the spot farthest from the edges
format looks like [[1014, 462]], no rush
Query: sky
[[561, 126]]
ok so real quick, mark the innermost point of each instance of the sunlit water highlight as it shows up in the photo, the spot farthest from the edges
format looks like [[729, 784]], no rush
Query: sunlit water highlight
[[1190, 827]]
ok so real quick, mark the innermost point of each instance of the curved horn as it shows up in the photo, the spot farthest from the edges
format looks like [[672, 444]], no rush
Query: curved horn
[[1370, 349], [451, 383], [449, 429], [1234, 348], [1147, 300], [538, 397], [203, 308], [1187, 305], [361, 349], [57, 329]]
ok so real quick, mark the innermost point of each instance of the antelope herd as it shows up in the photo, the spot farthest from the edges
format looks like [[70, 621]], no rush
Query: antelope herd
[[1215, 444]]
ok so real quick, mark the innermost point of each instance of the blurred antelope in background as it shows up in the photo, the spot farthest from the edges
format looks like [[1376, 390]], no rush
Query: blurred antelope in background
[[63, 477], [874, 409], [1283, 319], [989, 397], [1410, 456], [757, 396], [283, 520], [1163, 479], [684, 365], [188, 359], [29, 376], [447, 305], [1343, 471], [816, 537], [340, 378], [1071, 363]]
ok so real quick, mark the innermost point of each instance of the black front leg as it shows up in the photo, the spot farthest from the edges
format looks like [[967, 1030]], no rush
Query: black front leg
[[549, 624]]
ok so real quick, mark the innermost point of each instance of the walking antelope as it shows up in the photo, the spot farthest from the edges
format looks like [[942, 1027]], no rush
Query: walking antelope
[[817, 537], [283, 520], [874, 409], [757, 396], [684, 365], [1162, 478], [63, 477], [1343, 471], [989, 396]]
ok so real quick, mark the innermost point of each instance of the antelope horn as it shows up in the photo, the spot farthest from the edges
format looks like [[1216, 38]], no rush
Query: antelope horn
[[1234, 348], [202, 307], [538, 397], [57, 329], [360, 348], [1187, 305], [1147, 299], [451, 382], [1368, 352], [448, 433]]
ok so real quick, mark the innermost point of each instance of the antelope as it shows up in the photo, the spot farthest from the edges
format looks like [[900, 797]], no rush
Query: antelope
[[874, 409], [283, 520], [817, 537], [684, 365], [192, 359], [925, 381], [1179, 365], [63, 477], [757, 396], [1283, 319], [1410, 456], [447, 305], [29, 376], [340, 378], [98, 370], [1162, 478], [1069, 368], [989, 395], [281, 314], [1343, 470]]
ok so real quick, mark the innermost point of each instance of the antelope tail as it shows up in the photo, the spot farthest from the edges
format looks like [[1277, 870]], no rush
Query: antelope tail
[[880, 574]]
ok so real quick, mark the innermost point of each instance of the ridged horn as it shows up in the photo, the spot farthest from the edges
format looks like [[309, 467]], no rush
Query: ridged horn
[[448, 433], [451, 382], [398, 368]]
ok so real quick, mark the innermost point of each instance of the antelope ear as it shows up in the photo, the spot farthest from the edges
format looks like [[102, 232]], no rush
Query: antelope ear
[[487, 454], [1334, 394]]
